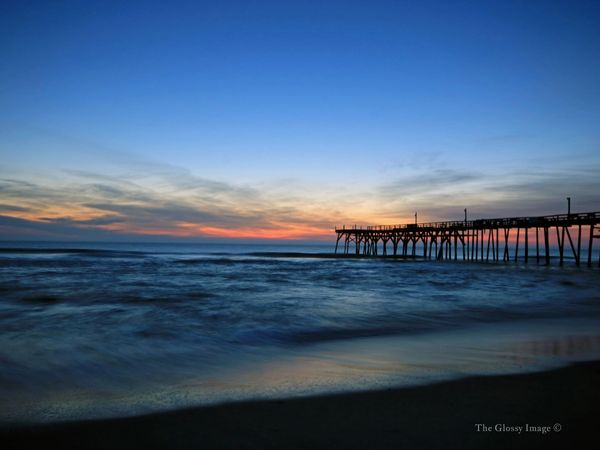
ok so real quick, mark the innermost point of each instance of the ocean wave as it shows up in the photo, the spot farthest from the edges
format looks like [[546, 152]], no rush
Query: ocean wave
[[82, 299], [293, 255], [41, 299], [228, 261], [71, 251], [399, 324]]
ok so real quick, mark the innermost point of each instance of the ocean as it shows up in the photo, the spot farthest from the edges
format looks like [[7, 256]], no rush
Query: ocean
[[102, 330]]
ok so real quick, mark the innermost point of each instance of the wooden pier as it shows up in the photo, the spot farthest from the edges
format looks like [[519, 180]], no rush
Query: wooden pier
[[504, 239]]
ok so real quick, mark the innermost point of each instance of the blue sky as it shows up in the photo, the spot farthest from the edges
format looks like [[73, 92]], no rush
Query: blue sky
[[282, 119]]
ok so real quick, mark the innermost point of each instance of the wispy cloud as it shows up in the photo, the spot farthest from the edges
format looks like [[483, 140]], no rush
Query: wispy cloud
[[100, 221], [161, 200], [168, 201], [431, 182], [444, 193], [13, 208]]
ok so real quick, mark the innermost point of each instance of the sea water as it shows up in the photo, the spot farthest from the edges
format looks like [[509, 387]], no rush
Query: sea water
[[97, 330]]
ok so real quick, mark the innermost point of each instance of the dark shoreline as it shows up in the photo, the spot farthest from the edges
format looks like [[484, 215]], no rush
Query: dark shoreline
[[442, 415]]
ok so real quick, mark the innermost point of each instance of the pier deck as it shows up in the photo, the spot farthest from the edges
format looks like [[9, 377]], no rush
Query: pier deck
[[478, 240]]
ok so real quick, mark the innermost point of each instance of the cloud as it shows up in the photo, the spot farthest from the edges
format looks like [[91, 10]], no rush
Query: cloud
[[444, 193], [169, 214], [166, 202], [12, 208], [433, 181], [161, 200], [99, 221], [15, 228]]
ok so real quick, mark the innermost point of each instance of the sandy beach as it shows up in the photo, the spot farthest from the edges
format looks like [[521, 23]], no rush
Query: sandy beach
[[512, 411]]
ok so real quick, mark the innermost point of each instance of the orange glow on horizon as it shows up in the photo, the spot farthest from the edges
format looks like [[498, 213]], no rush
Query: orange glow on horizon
[[78, 216], [179, 229], [187, 230], [190, 230], [281, 232]]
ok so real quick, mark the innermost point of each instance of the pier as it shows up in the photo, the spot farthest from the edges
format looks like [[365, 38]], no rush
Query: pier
[[505, 239]]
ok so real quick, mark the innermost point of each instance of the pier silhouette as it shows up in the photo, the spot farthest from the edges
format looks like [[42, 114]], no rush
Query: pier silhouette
[[477, 240]]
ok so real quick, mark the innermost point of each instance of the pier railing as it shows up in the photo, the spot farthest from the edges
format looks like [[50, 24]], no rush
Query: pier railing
[[540, 221]]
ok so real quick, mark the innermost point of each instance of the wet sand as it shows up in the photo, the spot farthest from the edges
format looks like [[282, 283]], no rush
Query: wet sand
[[443, 415]]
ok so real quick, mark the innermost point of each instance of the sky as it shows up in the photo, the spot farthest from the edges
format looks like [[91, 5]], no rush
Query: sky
[[280, 120]]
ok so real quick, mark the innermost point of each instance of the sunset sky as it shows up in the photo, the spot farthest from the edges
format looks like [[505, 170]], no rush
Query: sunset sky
[[281, 119]]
